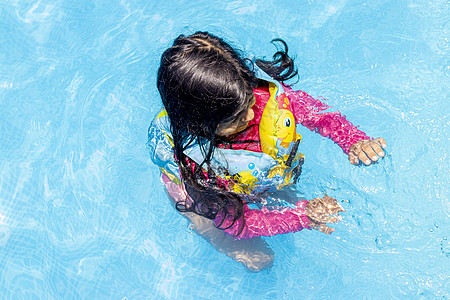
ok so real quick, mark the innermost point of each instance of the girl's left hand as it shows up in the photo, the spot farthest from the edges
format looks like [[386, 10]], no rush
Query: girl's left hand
[[366, 151], [321, 211]]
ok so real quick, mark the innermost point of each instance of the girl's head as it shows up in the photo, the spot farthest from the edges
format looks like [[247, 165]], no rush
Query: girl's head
[[205, 85]]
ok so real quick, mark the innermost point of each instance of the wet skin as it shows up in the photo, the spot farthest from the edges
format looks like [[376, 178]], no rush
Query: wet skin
[[366, 151]]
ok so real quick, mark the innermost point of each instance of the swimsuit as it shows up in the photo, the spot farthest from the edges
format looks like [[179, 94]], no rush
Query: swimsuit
[[261, 159]]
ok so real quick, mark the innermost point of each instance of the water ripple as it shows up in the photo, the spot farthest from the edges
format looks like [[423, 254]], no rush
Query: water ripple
[[82, 210]]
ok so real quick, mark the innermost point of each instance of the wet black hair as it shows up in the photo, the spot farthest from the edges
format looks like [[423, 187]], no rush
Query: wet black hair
[[204, 82]]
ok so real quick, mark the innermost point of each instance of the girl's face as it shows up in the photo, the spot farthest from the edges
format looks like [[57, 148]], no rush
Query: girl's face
[[241, 121]]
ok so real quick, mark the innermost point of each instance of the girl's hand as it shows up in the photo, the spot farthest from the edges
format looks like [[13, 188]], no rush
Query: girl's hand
[[366, 151], [321, 211]]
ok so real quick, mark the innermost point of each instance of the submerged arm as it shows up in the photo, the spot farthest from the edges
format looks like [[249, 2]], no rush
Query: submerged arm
[[262, 222], [307, 214], [266, 222], [313, 214]]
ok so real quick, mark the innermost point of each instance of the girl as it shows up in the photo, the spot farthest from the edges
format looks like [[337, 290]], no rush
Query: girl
[[227, 145]]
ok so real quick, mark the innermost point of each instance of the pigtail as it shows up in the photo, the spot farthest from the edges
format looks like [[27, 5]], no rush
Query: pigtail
[[282, 66]]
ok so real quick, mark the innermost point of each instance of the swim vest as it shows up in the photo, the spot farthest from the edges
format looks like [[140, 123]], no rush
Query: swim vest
[[275, 164]]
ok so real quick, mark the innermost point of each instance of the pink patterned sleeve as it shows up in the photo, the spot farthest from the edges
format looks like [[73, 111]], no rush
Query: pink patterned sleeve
[[309, 112], [267, 222], [262, 222]]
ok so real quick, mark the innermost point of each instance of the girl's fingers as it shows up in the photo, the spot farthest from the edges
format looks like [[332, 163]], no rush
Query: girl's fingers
[[382, 142], [324, 218], [328, 200], [335, 209], [321, 211], [323, 228], [376, 147], [353, 158], [355, 149], [333, 206], [363, 157], [324, 207], [327, 219], [369, 151], [366, 151]]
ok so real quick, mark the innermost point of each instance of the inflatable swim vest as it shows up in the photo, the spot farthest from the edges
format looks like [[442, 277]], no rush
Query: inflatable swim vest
[[278, 164]]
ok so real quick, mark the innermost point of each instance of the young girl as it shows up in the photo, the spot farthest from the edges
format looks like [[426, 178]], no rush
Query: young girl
[[227, 145]]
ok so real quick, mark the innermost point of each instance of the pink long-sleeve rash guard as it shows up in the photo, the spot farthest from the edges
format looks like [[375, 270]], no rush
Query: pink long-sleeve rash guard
[[310, 113], [266, 222], [257, 222]]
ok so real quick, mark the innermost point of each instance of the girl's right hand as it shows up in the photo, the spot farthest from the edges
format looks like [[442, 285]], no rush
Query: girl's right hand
[[366, 151], [322, 211]]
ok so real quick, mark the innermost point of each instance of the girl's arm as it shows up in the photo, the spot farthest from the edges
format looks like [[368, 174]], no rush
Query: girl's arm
[[307, 214], [262, 222], [266, 222], [309, 112]]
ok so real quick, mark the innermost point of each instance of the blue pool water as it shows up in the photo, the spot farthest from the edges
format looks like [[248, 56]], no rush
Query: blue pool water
[[84, 215]]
